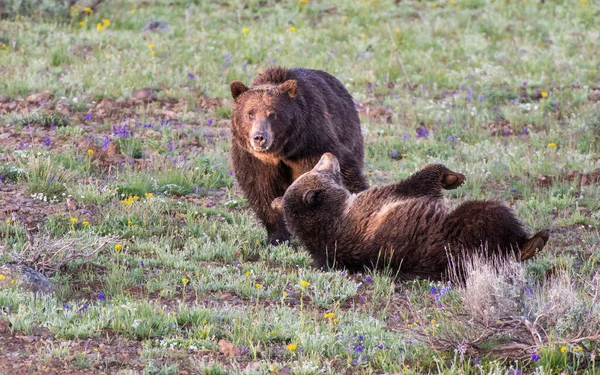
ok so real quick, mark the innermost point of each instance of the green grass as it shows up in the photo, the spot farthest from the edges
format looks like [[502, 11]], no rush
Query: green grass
[[503, 89]]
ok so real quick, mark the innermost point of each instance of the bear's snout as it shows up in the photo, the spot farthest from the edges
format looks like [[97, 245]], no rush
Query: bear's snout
[[260, 141]]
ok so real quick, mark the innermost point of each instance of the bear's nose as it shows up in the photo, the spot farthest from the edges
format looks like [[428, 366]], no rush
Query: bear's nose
[[260, 139]]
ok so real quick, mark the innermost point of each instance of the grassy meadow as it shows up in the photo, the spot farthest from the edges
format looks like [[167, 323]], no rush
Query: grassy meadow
[[130, 207]]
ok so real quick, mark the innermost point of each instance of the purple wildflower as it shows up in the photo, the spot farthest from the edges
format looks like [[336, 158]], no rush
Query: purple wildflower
[[481, 98], [394, 154], [451, 138], [209, 121], [191, 76], [101, 297], [82, 309], [230, 173], [422, 132], [88, 117], [105, 144], [524, 131], [433, 290], [47, 142], [469, 94], [227, 57], [368, 279], [359, 348], [142, 264], [66, 306], [534, 356], [171, 145]]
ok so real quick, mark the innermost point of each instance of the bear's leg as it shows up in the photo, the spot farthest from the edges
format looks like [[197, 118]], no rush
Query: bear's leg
[[261, 183], [493, 226], [429, 181], [534, 245]]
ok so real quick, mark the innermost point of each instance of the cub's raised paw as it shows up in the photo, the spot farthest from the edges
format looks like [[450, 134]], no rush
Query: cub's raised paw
[[535, 244], [452, 180]]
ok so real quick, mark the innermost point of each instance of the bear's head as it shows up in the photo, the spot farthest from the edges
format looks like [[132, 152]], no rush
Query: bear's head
[[314, 194], [262, 115]]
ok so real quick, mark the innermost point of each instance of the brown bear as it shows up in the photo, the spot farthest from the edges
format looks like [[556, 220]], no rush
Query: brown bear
[[281, 125], [405, 226]]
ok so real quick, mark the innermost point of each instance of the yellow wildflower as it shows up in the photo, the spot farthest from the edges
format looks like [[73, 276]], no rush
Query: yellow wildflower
[[133, 11], [284, 293], [88, 10], [291, 347], [149, 195], [100, 26], [551, 144], [563, 349], [433, 321], [136, 198], [329, 315], [185, 281], [118, 247], [153, 52], [90, 152], [292, 29], [304, 1], [86, 223], [7, 221], [398, 31], [82, 23], [129, 222], [108, 55], [258, 286], [2, 277], [151, 45], [335, 320], [544, 94], [75, 9], [248, 273], [272, 368], [304, 283], [105, 22], [364, 36], [245, 31], [74, 220]]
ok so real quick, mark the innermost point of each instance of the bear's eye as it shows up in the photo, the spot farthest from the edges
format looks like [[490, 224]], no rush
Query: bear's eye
[[251, 115], [272, 116]]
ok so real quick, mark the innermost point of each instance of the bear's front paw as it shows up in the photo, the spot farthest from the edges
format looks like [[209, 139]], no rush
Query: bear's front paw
[[452, 180]]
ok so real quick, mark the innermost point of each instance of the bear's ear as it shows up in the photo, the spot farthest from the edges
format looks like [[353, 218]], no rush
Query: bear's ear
[[277, 204], [289, 87], [310, 197], [328, 163], [237, 89]]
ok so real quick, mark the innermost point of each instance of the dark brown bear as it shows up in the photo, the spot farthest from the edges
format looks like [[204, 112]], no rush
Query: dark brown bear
[[405, 226], [281, 126]]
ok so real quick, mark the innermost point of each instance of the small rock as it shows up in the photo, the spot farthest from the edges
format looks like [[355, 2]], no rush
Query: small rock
[[26, 278], [42, 96], [156, 26], [145, 94], [3, 99], [5, 135]]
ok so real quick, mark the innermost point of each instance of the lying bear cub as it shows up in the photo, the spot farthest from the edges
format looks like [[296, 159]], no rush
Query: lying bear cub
[[405, 226]]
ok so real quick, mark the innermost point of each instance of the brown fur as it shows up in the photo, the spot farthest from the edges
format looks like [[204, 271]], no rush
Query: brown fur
[[405, 226], [281, 126]]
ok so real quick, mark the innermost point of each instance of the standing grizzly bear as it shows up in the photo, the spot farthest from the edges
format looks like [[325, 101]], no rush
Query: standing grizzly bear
[[405, 226], [281, 126]]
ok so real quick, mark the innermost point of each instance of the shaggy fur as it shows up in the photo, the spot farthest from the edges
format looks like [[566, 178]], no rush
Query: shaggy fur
[[281, 126], [405, 226]]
